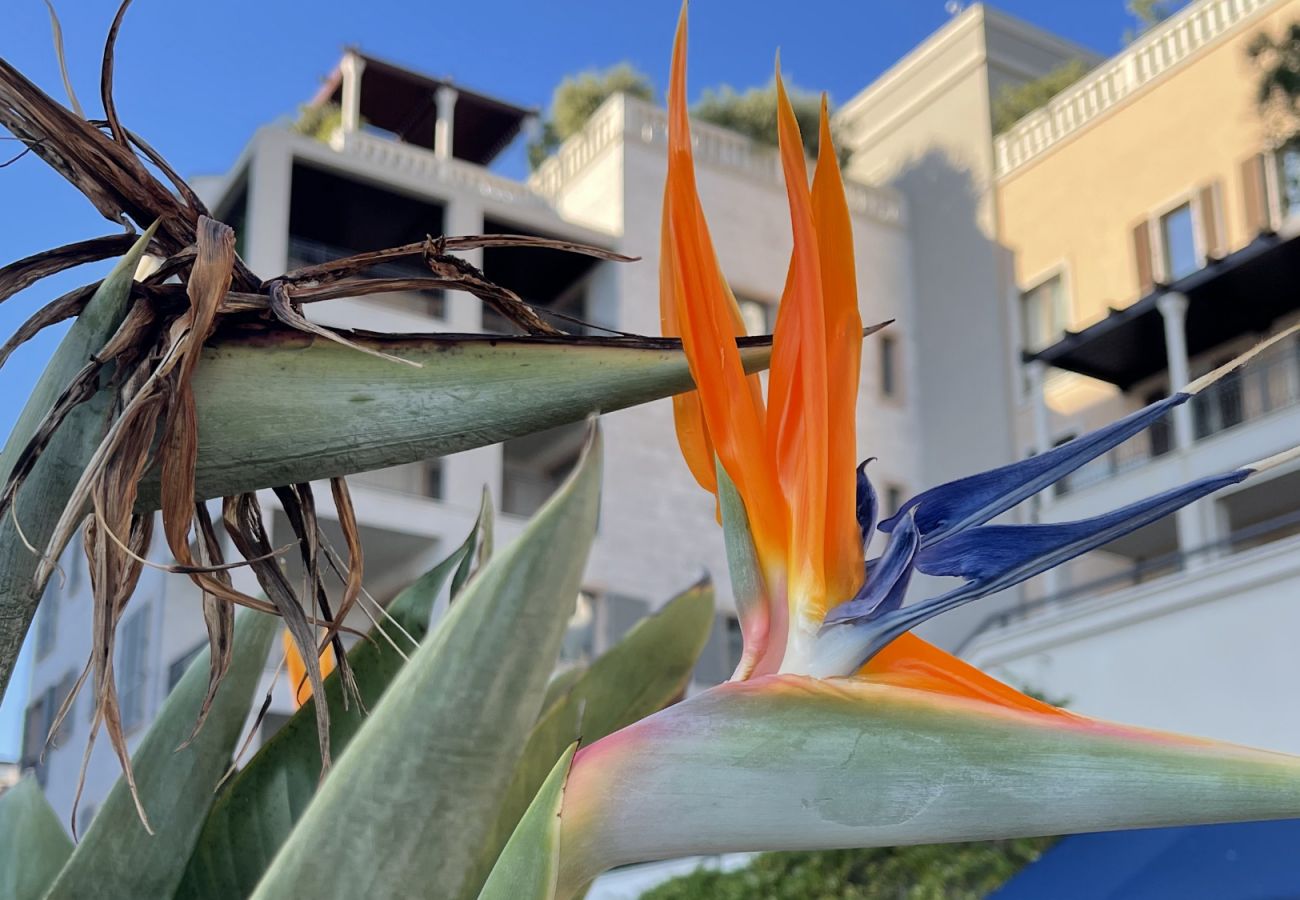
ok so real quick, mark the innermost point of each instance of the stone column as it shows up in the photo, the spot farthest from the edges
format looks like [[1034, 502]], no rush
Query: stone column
[[444, 130], [351, 68], [1195, 522]]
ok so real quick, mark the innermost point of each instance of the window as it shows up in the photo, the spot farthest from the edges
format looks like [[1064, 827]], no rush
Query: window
[[181, 663], [1044, 315], [1179, 255], [132, 668], [735, 644], [47, 628], [1160, 432], [888, 365], [893, 499], [579, 643], [37, 721], [433, 479], [759, 317], [1287, 171]]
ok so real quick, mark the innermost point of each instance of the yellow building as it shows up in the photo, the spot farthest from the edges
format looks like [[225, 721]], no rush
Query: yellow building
[[1149, 215]]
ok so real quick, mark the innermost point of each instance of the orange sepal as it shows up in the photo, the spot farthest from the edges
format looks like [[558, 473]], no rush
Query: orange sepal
[[797, 425], [843, 328], [908, 661], [709, 321], [298, 682]]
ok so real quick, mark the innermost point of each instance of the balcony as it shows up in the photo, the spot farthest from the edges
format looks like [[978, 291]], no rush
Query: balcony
[[1153, 54], [1261, 391], [623, 118]]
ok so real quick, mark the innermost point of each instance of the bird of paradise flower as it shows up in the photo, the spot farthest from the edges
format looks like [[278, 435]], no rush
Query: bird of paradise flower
[[840, 728]]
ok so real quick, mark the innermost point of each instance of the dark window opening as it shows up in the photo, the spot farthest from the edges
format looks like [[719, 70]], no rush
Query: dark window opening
[[331, 216]]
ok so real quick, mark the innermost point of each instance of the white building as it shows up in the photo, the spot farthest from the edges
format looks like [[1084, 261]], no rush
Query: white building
[[1199, 645], [411, 157]]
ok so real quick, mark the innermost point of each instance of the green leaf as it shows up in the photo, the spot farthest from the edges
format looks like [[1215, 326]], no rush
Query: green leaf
[[480, 548], [33, 845], [117, 858], [748, 586], [282, 408], [408, 806], [255, 813], [529, 866], [642, 674], [787, 762], [49, 485]]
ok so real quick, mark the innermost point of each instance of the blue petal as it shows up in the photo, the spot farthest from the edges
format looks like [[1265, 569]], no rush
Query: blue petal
[[868, 505], [996, 557], [948, 508], [887, 578]]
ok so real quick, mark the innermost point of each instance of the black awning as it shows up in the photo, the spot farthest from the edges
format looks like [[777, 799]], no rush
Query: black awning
[[1243, 293]]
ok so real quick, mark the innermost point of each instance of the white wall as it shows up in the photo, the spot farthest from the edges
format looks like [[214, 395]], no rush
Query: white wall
[[1210, 652]]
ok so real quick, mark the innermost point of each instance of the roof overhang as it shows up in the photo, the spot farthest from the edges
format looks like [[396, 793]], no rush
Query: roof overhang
[[1242, 293], [399, 100]]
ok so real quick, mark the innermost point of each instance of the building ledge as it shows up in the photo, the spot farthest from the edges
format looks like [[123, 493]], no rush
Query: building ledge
[[1151, 56]]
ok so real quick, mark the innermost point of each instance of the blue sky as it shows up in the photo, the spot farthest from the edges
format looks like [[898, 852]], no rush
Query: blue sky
[[196, 79]]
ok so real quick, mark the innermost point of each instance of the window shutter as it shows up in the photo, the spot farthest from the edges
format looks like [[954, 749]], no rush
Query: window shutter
[[1142, 257], [1209, 210], [1255, 192]]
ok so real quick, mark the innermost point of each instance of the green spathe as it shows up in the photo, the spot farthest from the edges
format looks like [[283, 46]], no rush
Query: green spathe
[[791, 762]]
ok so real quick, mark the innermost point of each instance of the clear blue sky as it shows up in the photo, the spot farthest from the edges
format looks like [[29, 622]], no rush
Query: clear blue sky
[[196, 79]]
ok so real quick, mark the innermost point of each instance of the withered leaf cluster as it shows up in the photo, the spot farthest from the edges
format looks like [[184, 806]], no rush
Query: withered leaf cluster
[[197, 287]]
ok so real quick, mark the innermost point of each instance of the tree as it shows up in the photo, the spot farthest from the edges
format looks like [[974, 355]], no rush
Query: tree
[[1016, 101], [889, 873], [1148, 14], [1278, 90], [577, 97], [753, 113]]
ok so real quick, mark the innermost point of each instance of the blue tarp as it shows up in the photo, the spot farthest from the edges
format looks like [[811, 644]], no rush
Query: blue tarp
[[1248, 861]]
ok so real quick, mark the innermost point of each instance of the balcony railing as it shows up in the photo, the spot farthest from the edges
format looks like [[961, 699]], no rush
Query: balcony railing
[[396, 156], [626, 118], [1150, 56], [1265, 386], [1144, 571], [308, 252]]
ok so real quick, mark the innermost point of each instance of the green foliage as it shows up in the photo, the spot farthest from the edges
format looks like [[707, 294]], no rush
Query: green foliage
[[753, 112], [1014, 102], [409, 804], [33, 845], [176, 780], [1277, 60], [577, 97], [318, 120], [253, 816], [1149, 13], [615, 691], [928, 872]]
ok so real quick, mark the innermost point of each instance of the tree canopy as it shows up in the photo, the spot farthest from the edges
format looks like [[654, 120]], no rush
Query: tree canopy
[[1014, 102], [577, 97], [1278, 90], [957, 871], [753, 112]]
